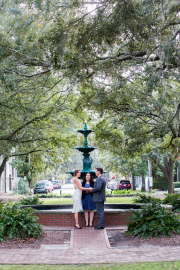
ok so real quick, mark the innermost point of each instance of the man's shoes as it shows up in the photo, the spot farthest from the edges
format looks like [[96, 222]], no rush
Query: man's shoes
[[98, 228]]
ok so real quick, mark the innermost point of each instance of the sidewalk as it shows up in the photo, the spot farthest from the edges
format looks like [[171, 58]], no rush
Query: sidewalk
[[88, 246]]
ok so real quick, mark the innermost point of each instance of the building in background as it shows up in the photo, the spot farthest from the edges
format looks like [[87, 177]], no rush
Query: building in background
[[8, 178]]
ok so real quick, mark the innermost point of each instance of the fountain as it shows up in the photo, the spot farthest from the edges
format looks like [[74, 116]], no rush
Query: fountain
[[87, 160], [61, 214]]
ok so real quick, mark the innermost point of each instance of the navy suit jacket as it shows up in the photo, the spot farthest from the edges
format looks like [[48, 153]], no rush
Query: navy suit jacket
[[99, 194]]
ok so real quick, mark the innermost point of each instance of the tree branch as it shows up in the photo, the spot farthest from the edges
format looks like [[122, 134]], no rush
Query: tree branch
[[175, 35]]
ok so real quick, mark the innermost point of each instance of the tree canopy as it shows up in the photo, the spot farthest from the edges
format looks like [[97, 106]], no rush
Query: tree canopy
[[116, 61]]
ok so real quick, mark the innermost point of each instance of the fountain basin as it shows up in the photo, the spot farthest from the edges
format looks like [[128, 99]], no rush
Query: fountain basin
[[61, 214]]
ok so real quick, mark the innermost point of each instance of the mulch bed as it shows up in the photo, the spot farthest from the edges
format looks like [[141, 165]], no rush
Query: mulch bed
[[117, 239], [48, 238]]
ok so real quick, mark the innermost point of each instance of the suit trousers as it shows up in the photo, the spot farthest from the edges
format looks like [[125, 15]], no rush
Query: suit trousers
[[100, 213]]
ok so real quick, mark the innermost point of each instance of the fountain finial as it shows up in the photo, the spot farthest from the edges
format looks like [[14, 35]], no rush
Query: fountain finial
[[85, 126]]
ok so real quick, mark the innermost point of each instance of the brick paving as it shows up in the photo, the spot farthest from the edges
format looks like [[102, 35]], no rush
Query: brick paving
[[88, 246], [89, 238]]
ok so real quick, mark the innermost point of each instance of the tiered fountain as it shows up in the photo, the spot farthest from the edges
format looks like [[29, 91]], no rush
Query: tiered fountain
[[87, 160], [61, 214]]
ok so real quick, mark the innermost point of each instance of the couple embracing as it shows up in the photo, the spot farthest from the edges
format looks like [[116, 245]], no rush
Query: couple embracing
[[97, 189]]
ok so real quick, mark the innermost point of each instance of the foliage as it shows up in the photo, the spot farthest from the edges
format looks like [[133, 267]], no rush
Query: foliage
[[52, 195], [174, 200], [153, 220], [17, 222], [31, 200], [177, 184], [173, 265], [123, 191], [160, 183], [136, 99], [22, 187], [37, 100], [143, 198], [1, 204], [122, 61]]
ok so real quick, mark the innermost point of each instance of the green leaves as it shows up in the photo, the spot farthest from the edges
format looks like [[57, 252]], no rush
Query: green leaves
[[18, 222], [31, 200], [142, 198], [153, 220]]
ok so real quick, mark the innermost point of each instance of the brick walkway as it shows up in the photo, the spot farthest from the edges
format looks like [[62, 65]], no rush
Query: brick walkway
[[88, 238], [88, 246]]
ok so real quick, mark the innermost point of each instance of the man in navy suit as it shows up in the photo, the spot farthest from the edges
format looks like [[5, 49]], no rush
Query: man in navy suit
[[99, 197]]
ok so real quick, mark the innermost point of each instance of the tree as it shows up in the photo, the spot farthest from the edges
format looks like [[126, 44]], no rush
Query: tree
[[36, 97], [104, 55], [133, 75]]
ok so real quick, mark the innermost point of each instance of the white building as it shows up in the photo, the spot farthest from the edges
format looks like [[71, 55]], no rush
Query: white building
[[8, 178]]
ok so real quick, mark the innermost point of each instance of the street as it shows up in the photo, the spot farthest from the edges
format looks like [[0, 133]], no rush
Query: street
[[68, 188]]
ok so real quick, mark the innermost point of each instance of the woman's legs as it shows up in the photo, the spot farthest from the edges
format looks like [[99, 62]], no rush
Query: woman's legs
[[86, 216], [76, 218], [91, 217]]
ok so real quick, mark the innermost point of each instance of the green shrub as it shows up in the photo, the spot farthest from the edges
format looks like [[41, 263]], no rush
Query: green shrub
[[174, 200], [142, 198], [31, 200], [177, 184], [17, 222], [51, 195], [122, 191], [160, 183], [153, 220], [23, 187]]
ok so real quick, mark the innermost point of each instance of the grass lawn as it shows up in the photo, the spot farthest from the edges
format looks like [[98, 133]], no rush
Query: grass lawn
[[121, 266], [70, 200]]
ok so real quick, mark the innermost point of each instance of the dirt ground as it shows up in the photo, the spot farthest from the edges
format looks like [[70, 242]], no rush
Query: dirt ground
[[48, 238], [117, 239]]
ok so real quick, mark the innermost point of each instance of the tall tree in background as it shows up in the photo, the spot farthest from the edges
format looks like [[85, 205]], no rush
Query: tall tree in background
[[134, 75]]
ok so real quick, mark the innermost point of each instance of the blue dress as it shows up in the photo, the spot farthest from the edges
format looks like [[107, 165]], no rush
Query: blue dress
[[87, 202]]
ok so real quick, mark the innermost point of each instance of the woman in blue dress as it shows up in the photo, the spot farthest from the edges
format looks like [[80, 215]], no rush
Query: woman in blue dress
[[87, 202]]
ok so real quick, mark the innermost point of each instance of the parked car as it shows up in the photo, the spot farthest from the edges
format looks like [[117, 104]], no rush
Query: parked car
[[43, 186], [124, 184], [56, 184]]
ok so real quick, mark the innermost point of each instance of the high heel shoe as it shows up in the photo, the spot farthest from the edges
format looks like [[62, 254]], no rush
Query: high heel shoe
[[87, 226], [76, 227]]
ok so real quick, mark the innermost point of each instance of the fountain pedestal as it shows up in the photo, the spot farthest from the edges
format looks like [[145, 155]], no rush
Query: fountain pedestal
[[87, 160]]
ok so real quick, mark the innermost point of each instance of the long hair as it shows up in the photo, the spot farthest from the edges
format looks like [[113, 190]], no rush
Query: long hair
[[91, 178], [76, 172]]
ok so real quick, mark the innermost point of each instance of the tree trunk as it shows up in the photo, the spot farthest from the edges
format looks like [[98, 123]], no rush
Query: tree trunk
[[143, 183], [5, 159], [167, 170], [29, 182], [133, 183]]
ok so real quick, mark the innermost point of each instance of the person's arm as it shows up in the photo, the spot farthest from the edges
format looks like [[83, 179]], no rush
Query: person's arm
[[98, 186], [79, 186], [84, 191]]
